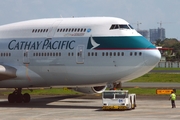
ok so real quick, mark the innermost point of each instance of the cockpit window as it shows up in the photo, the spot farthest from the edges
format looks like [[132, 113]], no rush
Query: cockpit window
[[116, 27], [131, 26], [124, 27], [120, 26], [112, 27]]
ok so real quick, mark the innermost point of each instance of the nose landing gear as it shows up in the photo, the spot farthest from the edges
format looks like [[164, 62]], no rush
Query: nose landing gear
[[18, 97]]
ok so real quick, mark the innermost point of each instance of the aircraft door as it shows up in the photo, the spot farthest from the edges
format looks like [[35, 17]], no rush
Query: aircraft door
[[80, 54], [26, 57], [53, 29]]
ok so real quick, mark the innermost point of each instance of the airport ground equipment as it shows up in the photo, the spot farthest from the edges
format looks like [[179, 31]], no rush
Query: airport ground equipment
[[118, 100]]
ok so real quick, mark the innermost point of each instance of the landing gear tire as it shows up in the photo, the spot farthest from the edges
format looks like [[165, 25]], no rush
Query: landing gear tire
[[26, 98], [17, 97], [11, 98]]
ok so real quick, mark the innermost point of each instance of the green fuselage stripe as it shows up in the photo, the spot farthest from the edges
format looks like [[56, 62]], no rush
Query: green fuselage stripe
[[121, 42]]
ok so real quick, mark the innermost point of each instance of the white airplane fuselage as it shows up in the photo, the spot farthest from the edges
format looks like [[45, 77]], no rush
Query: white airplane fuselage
[[73, 52]]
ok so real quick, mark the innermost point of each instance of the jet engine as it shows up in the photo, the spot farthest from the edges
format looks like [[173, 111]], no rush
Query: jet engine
[[90, 90], [7, 72]]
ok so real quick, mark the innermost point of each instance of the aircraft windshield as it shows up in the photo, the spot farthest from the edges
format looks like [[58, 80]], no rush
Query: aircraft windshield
[[120, 26], [131, 26]]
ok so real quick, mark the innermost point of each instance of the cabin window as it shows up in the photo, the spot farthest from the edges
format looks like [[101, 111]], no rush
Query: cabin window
[[81, 29], [135, 54], [95, 53], [103, 54], [106, 53], [122, 54], [66, 29], [69, 29], [131, 53], [110, 53], [140, 53]]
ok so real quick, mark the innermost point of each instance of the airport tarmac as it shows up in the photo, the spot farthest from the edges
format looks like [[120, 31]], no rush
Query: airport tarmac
[[151, 85], [85, 108]]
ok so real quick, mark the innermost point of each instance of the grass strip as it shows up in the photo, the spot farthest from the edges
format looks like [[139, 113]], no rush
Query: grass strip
[[147, 91], [61, 91], [157, 68], [45, 91], [158, 77]]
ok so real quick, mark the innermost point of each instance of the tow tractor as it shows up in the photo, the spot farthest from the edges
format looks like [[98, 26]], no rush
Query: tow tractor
[[118, 100]]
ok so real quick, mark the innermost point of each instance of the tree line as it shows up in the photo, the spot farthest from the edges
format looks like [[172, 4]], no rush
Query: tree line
[[171, 55]]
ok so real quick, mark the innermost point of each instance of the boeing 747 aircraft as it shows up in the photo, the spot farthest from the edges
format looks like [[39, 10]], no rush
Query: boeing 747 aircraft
[[85, 53]]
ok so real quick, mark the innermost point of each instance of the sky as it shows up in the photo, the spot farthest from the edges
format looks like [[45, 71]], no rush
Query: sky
[[147, 12]]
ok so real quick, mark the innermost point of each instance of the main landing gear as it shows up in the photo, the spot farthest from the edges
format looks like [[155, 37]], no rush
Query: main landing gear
[[18, 97]]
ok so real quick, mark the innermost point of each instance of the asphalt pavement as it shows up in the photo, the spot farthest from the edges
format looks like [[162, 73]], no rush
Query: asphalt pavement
[[80, 108]]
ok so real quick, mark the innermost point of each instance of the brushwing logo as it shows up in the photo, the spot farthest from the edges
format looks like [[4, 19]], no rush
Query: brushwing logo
[[92, 43]]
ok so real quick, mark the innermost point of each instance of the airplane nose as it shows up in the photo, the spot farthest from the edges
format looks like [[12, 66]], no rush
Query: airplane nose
[[152, 57]]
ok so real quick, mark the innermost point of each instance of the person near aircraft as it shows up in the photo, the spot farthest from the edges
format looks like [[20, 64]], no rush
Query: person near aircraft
[[173, 98]]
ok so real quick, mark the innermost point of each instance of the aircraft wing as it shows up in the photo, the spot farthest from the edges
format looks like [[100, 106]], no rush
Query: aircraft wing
[[7, 72]]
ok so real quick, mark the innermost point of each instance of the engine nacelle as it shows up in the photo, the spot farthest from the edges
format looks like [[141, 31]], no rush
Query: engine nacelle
[[91, 90], [7, 72]]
